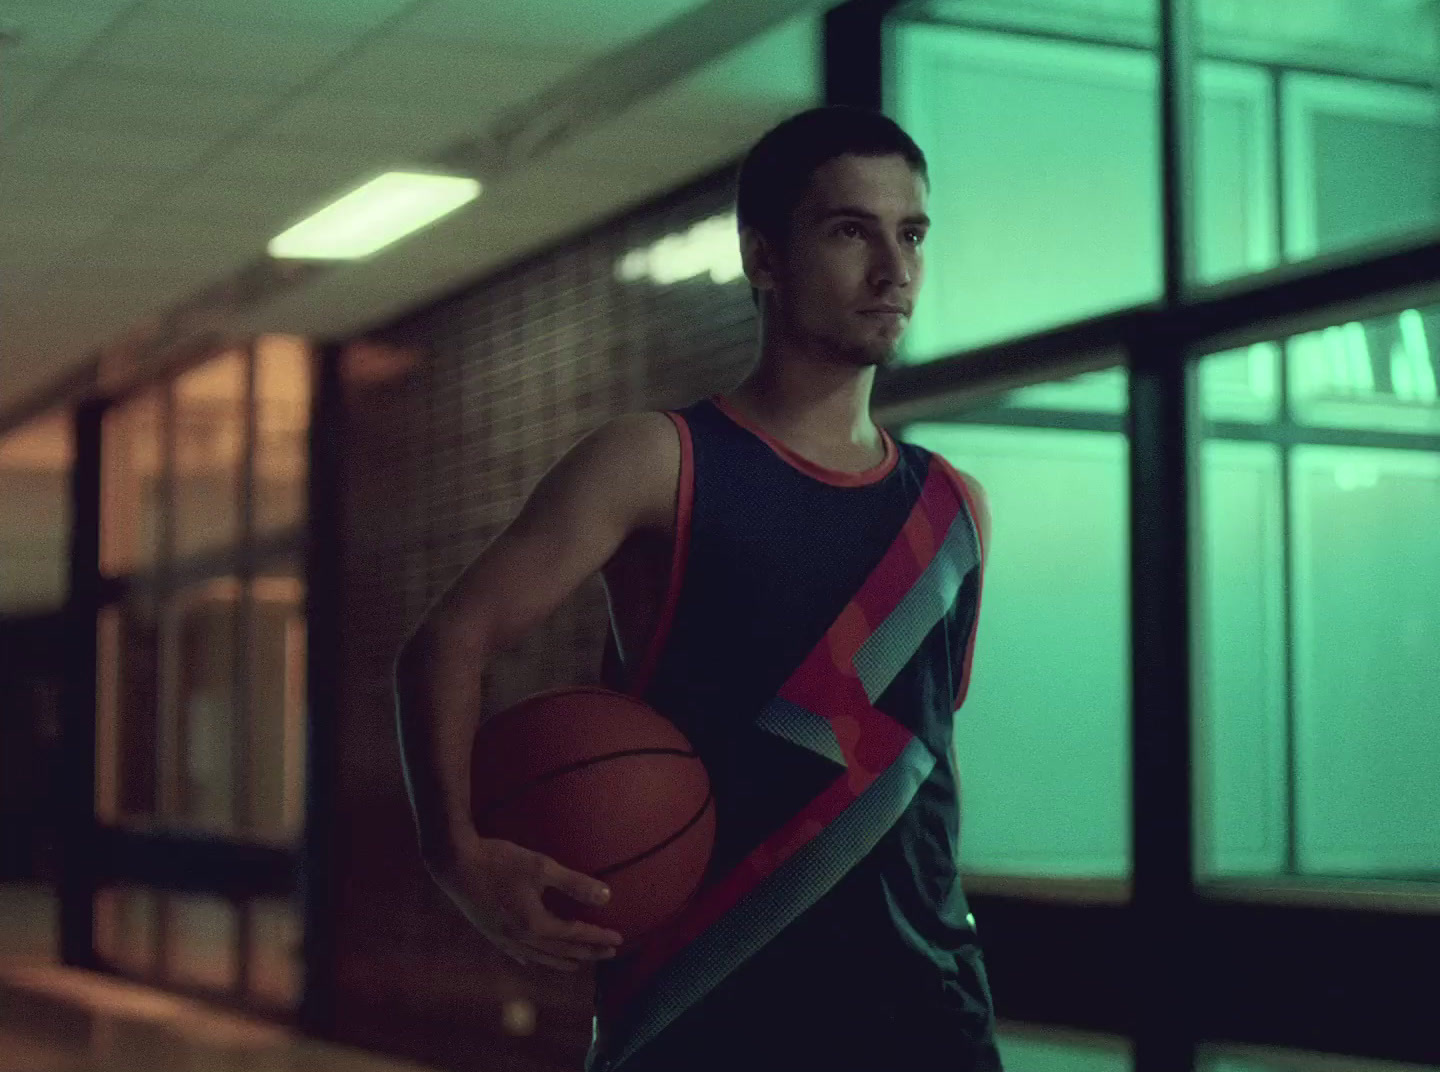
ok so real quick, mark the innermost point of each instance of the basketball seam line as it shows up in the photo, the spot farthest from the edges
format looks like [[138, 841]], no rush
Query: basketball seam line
[[581, 764], [668, 841]]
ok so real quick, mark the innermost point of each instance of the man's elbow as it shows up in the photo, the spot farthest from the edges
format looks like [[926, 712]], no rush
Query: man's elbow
[[437, 635]]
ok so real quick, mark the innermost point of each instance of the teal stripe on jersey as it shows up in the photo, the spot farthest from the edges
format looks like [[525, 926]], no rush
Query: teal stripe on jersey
[[780, 899], [882, 657], [803, 727]]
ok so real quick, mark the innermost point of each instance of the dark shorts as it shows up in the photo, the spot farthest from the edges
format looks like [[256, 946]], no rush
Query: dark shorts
[[899, 1025]]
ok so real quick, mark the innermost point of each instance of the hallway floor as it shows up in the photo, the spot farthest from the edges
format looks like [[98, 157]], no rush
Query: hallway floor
[[58, 1019], [55, 1019]]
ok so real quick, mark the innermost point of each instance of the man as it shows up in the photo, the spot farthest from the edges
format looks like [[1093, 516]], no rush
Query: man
[[799, 593]]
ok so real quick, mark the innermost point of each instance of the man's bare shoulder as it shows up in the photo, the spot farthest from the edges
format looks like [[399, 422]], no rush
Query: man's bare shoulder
[[647, 439], [640, 428], [642, 448]]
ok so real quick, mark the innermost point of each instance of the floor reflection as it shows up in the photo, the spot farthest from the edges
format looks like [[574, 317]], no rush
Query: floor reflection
[[57, 1019]]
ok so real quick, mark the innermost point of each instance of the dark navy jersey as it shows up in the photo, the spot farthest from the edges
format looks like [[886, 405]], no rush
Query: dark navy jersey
[[815, 643]]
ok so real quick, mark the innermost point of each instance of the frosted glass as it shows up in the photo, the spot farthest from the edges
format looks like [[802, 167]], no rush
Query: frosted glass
[[1367, 627], [1043, 737], [1044, 172], [1239, 754]]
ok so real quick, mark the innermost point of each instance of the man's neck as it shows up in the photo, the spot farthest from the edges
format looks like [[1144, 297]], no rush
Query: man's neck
[[809, 401]]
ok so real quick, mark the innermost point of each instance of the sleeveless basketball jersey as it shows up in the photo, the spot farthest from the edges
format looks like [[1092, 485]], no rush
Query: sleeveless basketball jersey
[[815, 643]]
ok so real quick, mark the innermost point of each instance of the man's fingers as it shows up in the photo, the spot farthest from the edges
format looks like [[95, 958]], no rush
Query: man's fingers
[[569, 950], [544, 925], [583, 888]]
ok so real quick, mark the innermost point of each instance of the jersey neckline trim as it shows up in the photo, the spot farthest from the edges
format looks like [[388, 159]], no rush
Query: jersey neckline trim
[[837, 477]]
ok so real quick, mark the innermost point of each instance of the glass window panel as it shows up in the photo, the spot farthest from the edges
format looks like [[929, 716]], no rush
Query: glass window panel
[[1019, 245], [1103, 391], [1356, 147], [1378, 373], [1243, 1057], [1366, 627], [127, 711], [1044, 734], [1363, 163], [209, 443], [1329, 764], [35, 462], [1241, 385], [282, 418], [125, 933], [1236, 218], [276, 955], [1036, 1048], [131, 438], [277, 711], [202, 622], [1044, 176], [1241, 765], [201, 941]]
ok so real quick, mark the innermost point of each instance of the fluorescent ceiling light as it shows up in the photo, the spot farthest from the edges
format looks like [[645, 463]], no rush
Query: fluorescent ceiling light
[[711, 247], [382, 211]]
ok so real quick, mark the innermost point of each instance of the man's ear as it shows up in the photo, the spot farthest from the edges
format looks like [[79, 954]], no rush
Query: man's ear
[[757, 256]]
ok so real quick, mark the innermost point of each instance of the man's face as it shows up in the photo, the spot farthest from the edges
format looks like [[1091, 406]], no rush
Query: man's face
[[853, 252]]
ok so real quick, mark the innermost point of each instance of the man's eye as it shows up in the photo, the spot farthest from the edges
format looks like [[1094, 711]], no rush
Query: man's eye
[[916, 236], [848, 229]]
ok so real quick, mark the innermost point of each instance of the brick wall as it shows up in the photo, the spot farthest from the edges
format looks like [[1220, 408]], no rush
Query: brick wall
[[452, 416]]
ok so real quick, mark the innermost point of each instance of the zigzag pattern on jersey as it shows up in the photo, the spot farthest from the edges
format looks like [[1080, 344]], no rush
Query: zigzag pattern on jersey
[[826, 706]]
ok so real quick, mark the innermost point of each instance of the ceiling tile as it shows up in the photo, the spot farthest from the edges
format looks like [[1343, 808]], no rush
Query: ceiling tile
[[136, 261], [783, 68], [721, 108], [696, 126], [54, 34], [35, 196], [20, 87], [331, 125], [31, 238], [104, 101], [145, 177], [236, 51], [420, 76], [586, 27], [351, 15], [100, 154]]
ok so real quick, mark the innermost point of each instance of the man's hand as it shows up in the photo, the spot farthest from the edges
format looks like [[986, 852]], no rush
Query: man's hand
[[498, 885]]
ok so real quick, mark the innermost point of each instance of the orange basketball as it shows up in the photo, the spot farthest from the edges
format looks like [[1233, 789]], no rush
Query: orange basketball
[[605, 785]]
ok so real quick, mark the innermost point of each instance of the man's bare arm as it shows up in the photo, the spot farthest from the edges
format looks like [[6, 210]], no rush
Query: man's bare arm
[[619, 478]]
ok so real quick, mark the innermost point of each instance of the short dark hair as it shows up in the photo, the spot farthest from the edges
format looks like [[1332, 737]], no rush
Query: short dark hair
[[779, 166], [777, 170]]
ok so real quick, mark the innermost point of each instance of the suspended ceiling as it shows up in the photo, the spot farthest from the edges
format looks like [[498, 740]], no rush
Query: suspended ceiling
[[149, 148]]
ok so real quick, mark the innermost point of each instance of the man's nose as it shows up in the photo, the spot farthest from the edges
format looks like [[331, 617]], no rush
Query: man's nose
[[890, 265]]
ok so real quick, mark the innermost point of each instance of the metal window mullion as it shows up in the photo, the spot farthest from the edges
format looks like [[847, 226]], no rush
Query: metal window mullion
[[242, 802], [76, 825], [1285, 446], [167, 737], [324, 577], [1163, 422], [853, 53]]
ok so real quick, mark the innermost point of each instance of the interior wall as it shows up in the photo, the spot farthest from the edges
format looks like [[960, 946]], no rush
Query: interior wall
[[449, 425]]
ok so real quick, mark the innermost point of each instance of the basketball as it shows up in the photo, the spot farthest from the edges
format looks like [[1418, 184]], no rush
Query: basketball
[[604, 785]]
